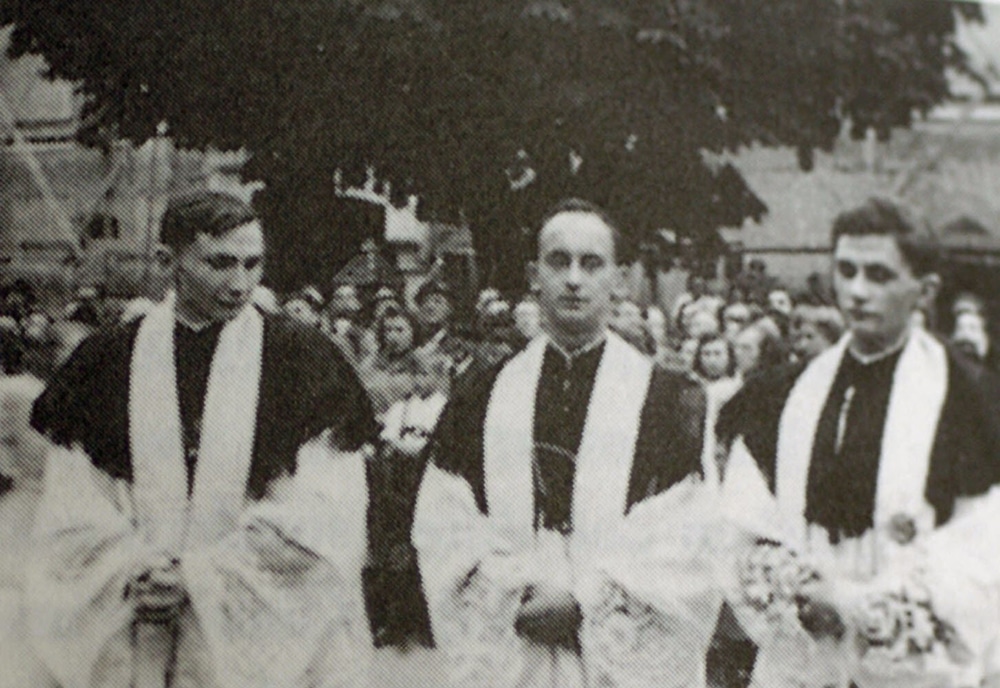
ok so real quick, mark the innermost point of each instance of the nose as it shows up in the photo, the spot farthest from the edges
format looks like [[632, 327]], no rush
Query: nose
[[242, 281], [857, 287], [574, 275]]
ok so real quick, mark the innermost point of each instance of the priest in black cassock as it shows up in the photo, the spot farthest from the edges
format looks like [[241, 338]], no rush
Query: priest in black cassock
[[562, 526], [860, 458], [204, 514]]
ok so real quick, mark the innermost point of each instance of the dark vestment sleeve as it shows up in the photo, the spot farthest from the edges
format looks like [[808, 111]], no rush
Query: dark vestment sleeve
[[754, 413], [965, 460], [85, 404], [670, 440], [12, 353], [457, 444], [306, 387]]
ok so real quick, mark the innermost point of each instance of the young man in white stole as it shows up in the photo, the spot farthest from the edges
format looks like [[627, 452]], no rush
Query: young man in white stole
[[861, 462], [203, 517], [564, 533]]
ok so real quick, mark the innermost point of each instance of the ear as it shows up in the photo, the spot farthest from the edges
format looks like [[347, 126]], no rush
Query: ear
[[531, 274], [621, 278], [164, 256]]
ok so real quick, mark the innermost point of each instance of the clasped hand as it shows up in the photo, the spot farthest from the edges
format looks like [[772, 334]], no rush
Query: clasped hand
[[549, 616], [158, 590]]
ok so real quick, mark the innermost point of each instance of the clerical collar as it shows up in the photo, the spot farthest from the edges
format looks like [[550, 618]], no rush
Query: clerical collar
[[580, 350], [868, 359], [193, 327]]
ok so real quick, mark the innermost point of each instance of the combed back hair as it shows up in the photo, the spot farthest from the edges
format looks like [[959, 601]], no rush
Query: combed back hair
[[202, 212], [579, 205], [883, 217]]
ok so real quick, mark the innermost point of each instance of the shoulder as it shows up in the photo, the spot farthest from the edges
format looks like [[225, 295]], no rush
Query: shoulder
[[475, 384], [285, 332], [290, 343], [970, 382], [758, 405], [105, 347]]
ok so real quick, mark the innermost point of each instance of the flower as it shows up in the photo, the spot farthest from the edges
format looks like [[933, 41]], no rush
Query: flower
[[902, 528], [879, 622]]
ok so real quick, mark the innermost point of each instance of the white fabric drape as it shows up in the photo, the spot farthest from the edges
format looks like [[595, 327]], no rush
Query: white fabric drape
[[961, 587], [247, 624], [645, 582], [164, 514]]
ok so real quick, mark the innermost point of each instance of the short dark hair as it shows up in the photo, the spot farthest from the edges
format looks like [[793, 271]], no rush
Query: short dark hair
[[883, 217], [392, 313], [708, 338], [579, 205], [202, 212]]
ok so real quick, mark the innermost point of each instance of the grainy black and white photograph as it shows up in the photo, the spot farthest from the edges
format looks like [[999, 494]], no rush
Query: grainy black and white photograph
[[499, 344]]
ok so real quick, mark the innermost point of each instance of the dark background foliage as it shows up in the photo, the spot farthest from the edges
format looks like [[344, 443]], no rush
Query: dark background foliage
[[452, 99]]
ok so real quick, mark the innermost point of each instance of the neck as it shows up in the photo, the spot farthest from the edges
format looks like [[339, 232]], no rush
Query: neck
[[872, 350], [571, 344], [187, 317]]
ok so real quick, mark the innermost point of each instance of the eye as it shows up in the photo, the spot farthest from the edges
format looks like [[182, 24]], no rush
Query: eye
[[591, 263], [558, 260], [221, 262], [846, 270], [880, 274], [253, 263]]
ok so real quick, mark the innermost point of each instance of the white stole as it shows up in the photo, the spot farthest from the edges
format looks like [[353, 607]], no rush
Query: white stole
[[169, 521], [915, 402], [603, 463]]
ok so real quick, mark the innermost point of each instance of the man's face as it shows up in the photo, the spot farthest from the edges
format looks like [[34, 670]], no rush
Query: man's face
[[780, 301], [808, 341], [216, 276], [875, 287], [715, 358], [435, 310], [576, 273], [397, 335], [735, 317], [746, 349]]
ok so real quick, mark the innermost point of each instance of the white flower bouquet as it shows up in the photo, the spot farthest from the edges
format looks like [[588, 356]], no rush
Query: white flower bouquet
[[772, 579], [901, 640]]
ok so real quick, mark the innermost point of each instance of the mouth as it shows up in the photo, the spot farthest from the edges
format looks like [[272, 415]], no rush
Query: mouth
[[572, 302], [859, 314], [231, 305]]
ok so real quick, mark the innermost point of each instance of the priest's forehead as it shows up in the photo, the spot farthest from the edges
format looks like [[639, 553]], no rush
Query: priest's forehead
[[589, 214], [211, 213]]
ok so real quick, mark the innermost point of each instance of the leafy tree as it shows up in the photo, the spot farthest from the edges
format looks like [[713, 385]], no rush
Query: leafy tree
[[492, 109]]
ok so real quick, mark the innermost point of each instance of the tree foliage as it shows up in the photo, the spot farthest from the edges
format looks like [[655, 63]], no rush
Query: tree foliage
[[464, 101]]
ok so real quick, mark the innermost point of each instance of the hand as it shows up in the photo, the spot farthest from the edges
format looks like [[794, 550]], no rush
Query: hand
[[819, 612], [549, 617], [159, 589], [276, 554]]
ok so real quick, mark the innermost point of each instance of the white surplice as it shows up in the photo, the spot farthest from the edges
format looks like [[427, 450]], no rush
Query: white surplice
[[856, 564], [246, 625], [645, 580]]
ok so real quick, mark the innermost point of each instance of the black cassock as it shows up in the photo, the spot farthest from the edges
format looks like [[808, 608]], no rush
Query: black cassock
[[840, 496], [668, 448], [306, 386]]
